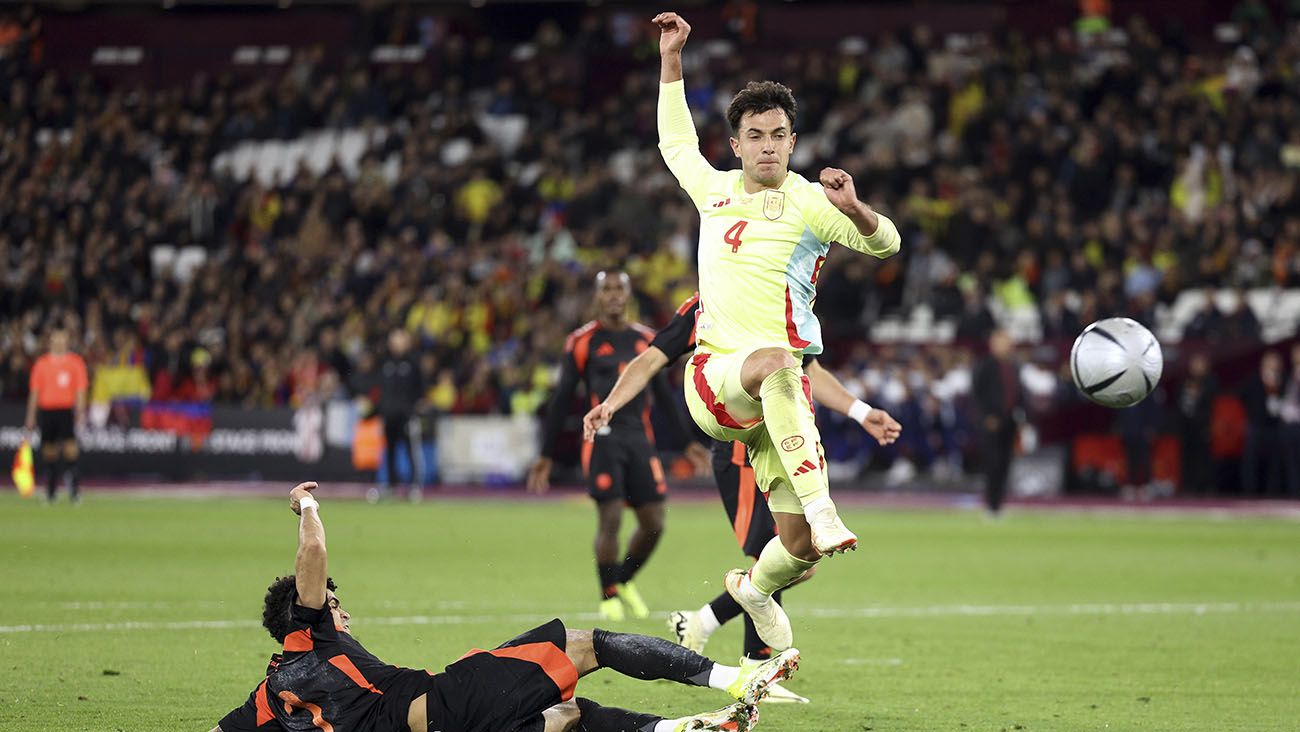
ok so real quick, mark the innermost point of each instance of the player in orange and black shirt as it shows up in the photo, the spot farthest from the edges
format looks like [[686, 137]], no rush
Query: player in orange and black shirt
[[744, 502], [57, 389], [325, 679], [621, 463]]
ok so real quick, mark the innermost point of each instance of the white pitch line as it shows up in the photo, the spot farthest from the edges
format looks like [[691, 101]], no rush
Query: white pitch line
[[933, 611]]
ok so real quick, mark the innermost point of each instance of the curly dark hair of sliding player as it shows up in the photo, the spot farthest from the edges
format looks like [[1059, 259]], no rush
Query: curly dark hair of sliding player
[[280, 596], [758, 97]]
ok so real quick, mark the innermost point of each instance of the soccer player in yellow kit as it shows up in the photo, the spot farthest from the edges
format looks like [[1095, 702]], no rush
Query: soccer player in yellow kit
[[764, 235]]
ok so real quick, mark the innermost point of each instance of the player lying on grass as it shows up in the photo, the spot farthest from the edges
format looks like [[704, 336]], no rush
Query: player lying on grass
[[325, 679], [750, 518], [765, 232]]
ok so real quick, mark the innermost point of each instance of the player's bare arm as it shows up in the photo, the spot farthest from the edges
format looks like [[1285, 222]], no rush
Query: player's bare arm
[[827, 390], [673, 31], [29, 423], [631, 382], [310, 569]]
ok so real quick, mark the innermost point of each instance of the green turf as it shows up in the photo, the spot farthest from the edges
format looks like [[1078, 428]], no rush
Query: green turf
[[942, 622]]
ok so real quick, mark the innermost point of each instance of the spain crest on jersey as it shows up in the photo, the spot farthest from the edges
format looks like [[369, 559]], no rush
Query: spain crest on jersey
[[773, 205]]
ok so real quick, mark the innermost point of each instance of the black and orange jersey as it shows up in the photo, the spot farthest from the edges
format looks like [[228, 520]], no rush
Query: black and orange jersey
[[595, 356], [325, 679], [678, 337]]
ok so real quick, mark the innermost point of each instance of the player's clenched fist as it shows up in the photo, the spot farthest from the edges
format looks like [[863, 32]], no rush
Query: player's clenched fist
[[299, 492], [839, 189], [673, 31], [596, 420]]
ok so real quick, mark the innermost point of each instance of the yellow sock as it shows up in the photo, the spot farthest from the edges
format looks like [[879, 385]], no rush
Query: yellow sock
[[777, 567], [788, 416]]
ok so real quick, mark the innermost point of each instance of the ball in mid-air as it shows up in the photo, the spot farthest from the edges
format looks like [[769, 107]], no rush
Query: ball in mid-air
[[1116, 362]]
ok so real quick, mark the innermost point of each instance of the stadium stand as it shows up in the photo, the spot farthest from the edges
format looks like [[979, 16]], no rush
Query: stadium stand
[[251, 240]]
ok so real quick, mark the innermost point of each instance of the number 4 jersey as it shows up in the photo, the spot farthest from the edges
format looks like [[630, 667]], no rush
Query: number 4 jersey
[[760, 253]]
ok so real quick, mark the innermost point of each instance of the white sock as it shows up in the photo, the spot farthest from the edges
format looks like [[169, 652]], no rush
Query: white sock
[[722, 677], [708, 620], [667, 725]]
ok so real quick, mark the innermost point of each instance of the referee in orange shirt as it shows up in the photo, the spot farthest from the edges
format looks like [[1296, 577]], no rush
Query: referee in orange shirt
[[58, 389]]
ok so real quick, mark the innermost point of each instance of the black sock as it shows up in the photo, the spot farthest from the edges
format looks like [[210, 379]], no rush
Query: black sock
[[74, 478], [595, 718], [52, 478], [646, 658], [725, 608], [755, 648], [631, 565], [608, 574]]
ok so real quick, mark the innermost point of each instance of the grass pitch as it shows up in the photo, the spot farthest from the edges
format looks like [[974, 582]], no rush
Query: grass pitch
[[134, 614]]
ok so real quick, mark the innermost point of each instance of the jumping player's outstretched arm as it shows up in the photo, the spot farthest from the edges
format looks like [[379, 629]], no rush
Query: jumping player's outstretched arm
[[310, 569], [678, 142], [827, 390]]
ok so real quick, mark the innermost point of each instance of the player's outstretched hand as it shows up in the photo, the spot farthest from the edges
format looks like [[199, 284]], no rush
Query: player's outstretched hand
[[839, 189], [539, 476], [299, 492], [881, 426], [595, 421], [673, 30], [701, 458]]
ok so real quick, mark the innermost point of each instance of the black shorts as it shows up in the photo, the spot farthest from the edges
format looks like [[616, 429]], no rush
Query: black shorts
[[57, 425], [624, 468], [505, 689], [746, 505]]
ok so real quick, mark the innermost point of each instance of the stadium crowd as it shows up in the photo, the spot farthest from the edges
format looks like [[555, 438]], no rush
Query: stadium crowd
[[1082, 175]]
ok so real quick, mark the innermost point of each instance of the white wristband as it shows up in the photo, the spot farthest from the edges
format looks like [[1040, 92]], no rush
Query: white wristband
[[306, 503], [859, 411]]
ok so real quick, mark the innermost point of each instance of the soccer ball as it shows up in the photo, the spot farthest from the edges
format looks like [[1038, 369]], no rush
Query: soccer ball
[[1116, 362]]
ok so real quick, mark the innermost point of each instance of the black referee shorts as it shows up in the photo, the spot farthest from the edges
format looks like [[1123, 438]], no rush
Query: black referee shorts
[[57, 425]]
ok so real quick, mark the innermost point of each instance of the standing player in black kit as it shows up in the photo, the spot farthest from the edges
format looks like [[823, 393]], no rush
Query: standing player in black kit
[[620, 462], [746, 507]]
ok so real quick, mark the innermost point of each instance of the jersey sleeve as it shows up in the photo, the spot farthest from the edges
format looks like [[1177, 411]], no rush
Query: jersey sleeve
[[320, 621], [34, 380], [829, 224], [678, 337], [570, 374], [80, 381], [679, 144]]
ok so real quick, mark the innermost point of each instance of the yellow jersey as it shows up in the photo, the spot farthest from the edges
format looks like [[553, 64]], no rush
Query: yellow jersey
[[759, 253]]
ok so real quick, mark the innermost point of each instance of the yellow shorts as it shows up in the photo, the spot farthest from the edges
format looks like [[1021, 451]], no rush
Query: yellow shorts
[[722, 408]]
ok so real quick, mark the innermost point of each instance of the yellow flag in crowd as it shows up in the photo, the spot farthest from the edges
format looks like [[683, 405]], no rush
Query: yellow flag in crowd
[[23, 474]]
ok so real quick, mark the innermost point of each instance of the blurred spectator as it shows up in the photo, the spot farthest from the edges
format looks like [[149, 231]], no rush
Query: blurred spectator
[[1195, 405], [1261, 460], [1289, 414], [999, 407], [400, 387], [1137, 427], [976, 324]]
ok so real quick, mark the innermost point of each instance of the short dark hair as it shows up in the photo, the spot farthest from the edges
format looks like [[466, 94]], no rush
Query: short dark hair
[[759, 97], [276, 608]]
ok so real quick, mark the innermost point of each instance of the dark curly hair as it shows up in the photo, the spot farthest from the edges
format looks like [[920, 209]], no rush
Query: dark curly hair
[[759, 97], [280, 596]]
